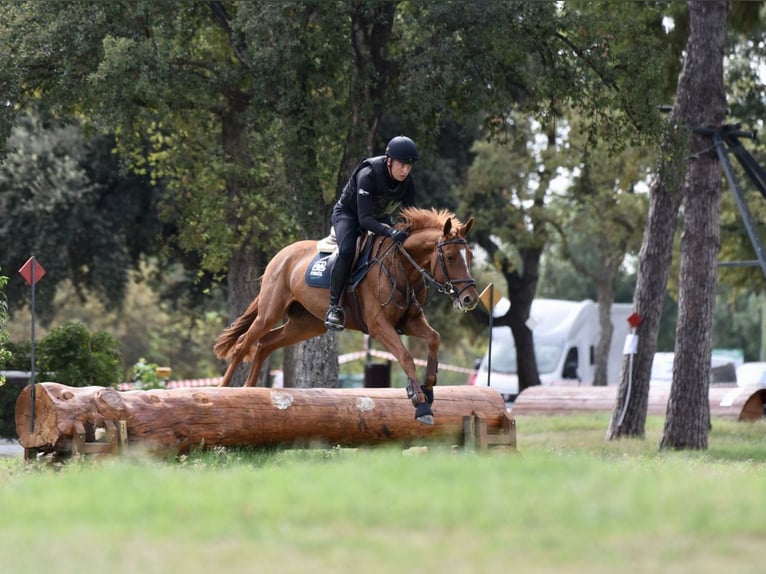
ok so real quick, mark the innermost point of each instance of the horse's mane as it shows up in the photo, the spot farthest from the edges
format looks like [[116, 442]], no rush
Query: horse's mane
[[416, 218]]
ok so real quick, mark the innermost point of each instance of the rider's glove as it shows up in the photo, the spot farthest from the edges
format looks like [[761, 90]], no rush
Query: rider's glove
[[398, 235]]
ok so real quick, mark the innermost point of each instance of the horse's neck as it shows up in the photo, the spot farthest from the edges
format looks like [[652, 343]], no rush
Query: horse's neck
[[422, 245]]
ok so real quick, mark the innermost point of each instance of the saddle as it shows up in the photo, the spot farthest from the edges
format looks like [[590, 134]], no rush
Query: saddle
[[320, 269]]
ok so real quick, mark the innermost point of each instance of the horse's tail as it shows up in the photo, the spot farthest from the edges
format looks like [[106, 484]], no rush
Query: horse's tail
[[226, 341]]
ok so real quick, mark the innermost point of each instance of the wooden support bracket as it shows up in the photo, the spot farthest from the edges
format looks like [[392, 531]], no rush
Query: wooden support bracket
[[477, 437], [115, 438], [84, 441]]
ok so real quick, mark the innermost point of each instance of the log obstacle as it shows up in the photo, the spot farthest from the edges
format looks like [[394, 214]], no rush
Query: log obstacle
[[726, 401], [70, 420]]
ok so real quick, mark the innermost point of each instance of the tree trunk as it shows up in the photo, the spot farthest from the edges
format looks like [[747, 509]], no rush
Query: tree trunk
[[699, 85], [175, 421], [313, 363], [246, 262], [629, 416], [604, 342], [702, 93], [726, 402]]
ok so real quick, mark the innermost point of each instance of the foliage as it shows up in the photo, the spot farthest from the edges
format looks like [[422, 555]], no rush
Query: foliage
[[738, 322], [165, 332], [7, 395], [72, 356], [20, 355], [493, 57], [65, 200], [5, 354], [603, 207], [145, 376], [239, 112]]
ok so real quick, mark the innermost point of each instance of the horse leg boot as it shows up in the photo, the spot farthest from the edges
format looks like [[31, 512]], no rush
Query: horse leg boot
[[419, 398], [429, 379]]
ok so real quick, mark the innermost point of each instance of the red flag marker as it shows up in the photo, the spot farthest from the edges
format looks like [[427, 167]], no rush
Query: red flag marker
[[32, 268]]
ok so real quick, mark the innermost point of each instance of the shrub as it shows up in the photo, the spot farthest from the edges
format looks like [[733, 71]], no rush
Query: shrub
[[145, 376], [70, 355], [9, 392]]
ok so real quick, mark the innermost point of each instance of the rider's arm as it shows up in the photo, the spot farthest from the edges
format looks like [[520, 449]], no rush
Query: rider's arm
[[365, 206]]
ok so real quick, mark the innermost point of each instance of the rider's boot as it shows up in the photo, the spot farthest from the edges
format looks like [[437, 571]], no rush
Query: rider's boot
[[335, 319]]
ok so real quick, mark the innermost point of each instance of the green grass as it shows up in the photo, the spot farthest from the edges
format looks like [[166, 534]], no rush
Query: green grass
[[568, 501]]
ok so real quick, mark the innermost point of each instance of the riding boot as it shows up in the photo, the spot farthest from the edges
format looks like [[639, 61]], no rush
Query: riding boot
[[336, 318]]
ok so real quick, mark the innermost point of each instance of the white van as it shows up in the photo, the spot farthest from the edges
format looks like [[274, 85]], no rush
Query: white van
[[565, 334]]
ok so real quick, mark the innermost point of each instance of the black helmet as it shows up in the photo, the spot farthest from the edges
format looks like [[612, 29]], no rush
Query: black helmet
[[403, 149]]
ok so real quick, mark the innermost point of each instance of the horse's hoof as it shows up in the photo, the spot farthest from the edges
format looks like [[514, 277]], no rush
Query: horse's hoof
[[426, 419], [424, 414]]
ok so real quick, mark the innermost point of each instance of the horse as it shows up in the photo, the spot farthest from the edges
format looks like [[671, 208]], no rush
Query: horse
[[386, 302]]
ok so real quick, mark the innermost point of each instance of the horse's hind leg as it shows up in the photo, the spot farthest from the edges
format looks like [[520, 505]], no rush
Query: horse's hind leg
[[243, 348], [300, 326]]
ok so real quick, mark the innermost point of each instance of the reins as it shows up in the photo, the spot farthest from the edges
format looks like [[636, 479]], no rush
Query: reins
[[448, 287]]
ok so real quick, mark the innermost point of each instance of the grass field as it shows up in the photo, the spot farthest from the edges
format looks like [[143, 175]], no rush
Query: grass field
[[567, 501]]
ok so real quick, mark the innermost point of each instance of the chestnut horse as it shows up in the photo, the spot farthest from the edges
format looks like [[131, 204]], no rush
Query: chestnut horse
[[388, 300]]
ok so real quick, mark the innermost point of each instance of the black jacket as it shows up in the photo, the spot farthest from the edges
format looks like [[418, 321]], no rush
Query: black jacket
[[373, 195]]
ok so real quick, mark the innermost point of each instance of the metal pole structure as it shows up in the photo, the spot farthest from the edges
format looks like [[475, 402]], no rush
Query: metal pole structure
[[491, 319], [744, 211], [32, 353], [31, 274]]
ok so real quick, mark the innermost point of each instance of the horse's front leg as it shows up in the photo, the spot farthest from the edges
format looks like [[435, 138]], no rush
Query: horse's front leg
[[418, 326], [387, 335]]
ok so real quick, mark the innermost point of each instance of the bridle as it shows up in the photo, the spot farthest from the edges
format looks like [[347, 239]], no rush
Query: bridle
[[448, 287]]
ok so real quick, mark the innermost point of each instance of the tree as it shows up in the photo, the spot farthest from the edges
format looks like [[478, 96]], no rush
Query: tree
[[513, 229], [241, 108], [198, 95], [687, 422], [700, 101], [368, 76], [533, 59], [603, 207], [64, 199]]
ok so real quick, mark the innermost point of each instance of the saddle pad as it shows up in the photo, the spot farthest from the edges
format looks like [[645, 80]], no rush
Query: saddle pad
[[319, 270]]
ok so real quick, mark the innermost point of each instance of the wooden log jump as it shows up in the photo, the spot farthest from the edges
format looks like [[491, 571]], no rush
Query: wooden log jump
[[730, 402], [68, 419]]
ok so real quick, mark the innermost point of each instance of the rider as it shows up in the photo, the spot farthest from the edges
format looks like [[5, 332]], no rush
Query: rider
[[378, 186]]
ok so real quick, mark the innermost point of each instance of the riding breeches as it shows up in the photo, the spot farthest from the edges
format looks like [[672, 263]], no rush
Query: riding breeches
[[347, 229]]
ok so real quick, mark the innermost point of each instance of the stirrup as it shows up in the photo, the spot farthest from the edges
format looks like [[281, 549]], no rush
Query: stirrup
[[335, 320]]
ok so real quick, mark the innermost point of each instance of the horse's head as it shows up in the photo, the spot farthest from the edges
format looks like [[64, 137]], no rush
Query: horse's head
[[451, 265]]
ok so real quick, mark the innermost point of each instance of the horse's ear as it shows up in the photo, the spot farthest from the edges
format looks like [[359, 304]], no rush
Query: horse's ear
[[447, 226], [466, 228]]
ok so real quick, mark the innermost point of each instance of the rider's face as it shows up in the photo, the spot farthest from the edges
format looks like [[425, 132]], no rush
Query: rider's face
[[399, 170]]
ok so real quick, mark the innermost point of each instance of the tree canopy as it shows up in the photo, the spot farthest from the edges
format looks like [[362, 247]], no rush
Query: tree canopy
[[237, 122]]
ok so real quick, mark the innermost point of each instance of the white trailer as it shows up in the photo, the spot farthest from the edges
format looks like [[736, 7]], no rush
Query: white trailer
[[565, 335]]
